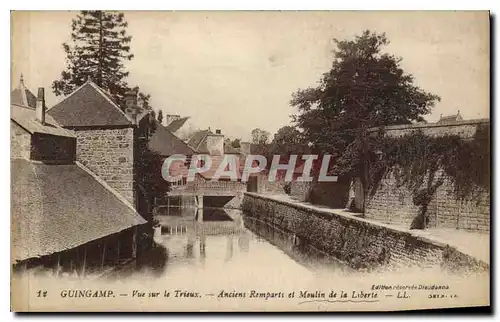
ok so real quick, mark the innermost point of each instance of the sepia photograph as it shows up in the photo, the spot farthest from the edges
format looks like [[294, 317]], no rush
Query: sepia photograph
[[249, 161]]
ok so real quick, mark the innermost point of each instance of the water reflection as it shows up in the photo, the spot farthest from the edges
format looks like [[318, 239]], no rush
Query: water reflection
[[215, 241]]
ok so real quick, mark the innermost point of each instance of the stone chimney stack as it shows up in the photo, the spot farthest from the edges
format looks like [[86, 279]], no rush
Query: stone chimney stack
[[40, 105], [131, 108], [215, 143]]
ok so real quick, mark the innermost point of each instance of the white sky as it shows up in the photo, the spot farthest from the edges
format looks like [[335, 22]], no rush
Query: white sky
[[237, 70]]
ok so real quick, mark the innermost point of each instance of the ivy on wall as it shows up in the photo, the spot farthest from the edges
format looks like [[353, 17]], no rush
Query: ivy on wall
[[421, 163]]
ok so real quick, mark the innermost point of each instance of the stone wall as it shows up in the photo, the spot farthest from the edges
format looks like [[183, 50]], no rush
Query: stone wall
[[299, 190], [265, 185], [20, 142], [357, 242], [53, 148], [465, 129], [330, 194], [394, 204], [109, 153]]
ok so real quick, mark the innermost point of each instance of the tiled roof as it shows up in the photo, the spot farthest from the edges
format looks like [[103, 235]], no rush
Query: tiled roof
[[26, 118], [162, 141], [89, 105], [60, 207], [176, 124], [22, 96]]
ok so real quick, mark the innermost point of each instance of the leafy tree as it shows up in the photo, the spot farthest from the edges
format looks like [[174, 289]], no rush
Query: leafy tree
[[160, 116], [289, 140], [236, 143], [144, 99], [364, 88], [260, 136], [99, 47]]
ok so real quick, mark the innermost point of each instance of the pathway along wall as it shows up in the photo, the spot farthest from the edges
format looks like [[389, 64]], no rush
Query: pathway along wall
[[358, 242]]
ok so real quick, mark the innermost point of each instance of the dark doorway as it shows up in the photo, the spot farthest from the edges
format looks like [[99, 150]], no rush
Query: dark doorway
[[252, 184]]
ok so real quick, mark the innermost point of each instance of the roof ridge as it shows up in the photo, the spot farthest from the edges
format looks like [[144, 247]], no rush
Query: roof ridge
[[175, 136], [109, 188], [22, 88], [23, 106], [71, 94], [101, 91]]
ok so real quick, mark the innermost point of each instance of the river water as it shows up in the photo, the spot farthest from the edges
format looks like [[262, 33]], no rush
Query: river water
[[223, 249]]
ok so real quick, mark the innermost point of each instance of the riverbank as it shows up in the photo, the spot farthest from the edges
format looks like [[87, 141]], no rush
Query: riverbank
[[363, 243]]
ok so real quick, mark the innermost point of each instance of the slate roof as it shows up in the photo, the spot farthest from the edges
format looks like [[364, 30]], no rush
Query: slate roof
[[163, 141], [22, 96], [196, 140], [176, 124], [89, 105], [26, 118], [59, 207]]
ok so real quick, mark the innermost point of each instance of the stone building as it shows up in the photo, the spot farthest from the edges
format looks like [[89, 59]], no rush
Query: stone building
[[105, 136], [209, 143], [64, 217]]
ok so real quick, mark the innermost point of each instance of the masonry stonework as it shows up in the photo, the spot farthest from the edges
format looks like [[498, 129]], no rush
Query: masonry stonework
[[465, 129], [20, 142], [393, 204], [109, 153], [330, 194], [357, 242], [300, 190]]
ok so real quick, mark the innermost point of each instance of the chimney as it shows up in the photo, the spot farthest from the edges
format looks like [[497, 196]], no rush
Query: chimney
[[215, 143], [131, 105], [40, 105], [171, 117]]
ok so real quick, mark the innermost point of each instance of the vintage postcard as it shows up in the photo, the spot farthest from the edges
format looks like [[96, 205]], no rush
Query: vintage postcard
[[249, 161]]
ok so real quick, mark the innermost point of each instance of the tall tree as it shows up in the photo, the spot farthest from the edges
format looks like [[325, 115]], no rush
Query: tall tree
[[160, 116], [98, 49], [236, 143], [289, 140], [260, 136], [365, 87]]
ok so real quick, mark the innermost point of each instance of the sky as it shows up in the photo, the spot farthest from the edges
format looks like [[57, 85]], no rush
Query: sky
[[236, 71]]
